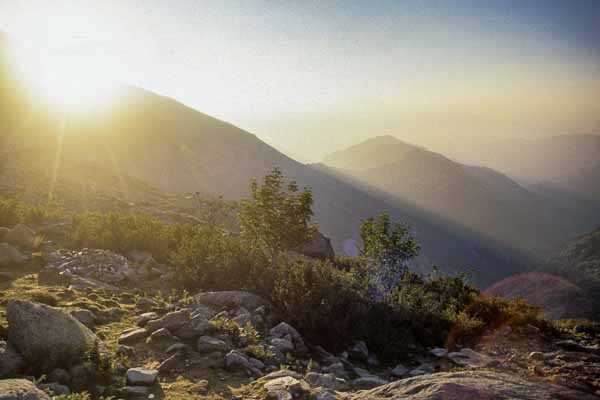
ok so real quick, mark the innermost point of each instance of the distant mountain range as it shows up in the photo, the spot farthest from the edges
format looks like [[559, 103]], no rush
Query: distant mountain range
[[462, 216], [478, 198]]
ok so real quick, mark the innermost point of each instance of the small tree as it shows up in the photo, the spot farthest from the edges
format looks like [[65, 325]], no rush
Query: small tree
[[387, 246], [276, 217]]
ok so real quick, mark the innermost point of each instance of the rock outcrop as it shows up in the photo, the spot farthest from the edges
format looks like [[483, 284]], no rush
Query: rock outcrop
[[470, 385]]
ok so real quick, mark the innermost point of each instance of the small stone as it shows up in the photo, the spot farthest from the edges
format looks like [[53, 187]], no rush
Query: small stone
[[154, 325], [145, 317], [283, 345], [209, 344], [234, 360], [137, 391], [161, 335], [399, 371], [439, 352], [141, 376], [133, 337], [282, 373], [168, 365]]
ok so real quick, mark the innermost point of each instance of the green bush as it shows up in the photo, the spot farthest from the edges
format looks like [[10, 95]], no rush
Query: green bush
[[488, 313], [14, 211], [124, 232]]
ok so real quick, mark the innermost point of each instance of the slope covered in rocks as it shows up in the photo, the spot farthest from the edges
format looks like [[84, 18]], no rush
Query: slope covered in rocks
[[114, 333]]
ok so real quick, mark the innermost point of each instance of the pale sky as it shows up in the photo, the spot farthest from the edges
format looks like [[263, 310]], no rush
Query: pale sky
[[312, 77]]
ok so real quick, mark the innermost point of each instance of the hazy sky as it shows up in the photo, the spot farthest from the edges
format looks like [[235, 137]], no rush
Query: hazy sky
[[312, 77]]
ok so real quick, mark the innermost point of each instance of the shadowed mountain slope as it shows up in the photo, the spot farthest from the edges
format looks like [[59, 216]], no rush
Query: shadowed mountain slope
[[478, 198]]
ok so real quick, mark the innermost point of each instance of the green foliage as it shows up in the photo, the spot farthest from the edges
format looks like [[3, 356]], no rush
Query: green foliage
[[14, 211], [123, 232], [276, 217], [387, 247], [334, 307], [488, 313]]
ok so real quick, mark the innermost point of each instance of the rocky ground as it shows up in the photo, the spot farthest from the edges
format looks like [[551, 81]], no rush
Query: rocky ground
[[95, 321]]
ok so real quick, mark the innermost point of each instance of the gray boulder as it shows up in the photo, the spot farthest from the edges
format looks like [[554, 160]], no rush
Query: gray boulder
[[327, 381], [208, 344], [20, 389], [176, 319], [47, 337], [21, 236], [11, 361], [319, 247], [133, 336], [141, 376], [10, 255], [284, 330], [471, 385]]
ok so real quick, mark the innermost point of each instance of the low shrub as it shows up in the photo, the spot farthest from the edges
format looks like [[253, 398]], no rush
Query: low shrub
[[14, 211], [488, 313]]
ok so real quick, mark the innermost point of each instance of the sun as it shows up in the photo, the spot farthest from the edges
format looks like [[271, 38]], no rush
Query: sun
[[73, 80]]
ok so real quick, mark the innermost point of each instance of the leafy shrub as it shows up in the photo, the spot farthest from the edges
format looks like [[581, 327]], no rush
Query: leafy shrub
[[489, 313], [333, 307], [124, 232], [14, 211]]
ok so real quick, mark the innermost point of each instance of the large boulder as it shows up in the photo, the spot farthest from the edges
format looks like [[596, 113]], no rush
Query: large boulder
[[470, 385], [20, 389], [9, 255], [319, 247], [21, 236], [229, 299], [47, 337]]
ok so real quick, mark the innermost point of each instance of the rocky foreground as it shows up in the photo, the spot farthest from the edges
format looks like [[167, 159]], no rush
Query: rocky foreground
[[89, 321]]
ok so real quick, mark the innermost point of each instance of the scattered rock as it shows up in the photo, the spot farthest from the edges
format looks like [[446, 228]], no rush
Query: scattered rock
[[359, 351], [234, 360], [399, 371], [283, 345], [168, 365], [47, 337], [20, 389], [281, 374], [439, 352], [286, 388], [161, 335], [327, 381], [145, 317], [209, 344], [469, 358], [319, 247], [133, 337], [283, 330], [174, 320], [141, 376]]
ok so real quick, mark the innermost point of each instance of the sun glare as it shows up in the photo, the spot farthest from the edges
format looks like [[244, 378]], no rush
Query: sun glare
[[71, 80]]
